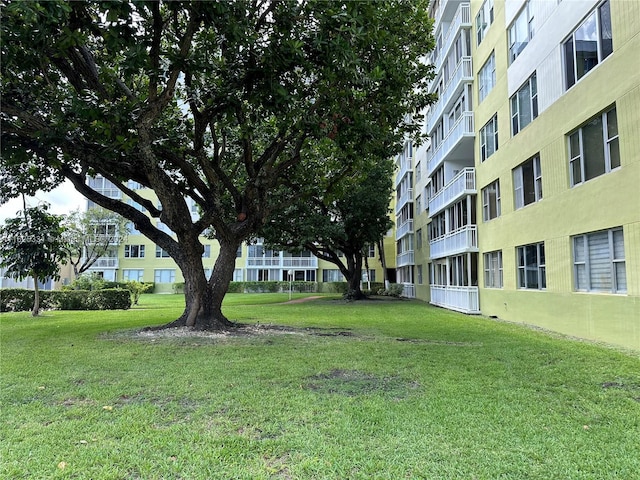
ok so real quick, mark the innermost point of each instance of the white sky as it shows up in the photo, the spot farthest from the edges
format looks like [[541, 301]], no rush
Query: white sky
[[62, 199]]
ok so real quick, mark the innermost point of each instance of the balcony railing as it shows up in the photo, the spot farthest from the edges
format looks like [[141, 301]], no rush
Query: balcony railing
[[464, 183], [406, 258], [463, 72], [407, 196], [461, 299], [461, 129], [404, 167], [403, 229], [461, 18], [283, 262], [409, 290], [106, 262], [462, 240]]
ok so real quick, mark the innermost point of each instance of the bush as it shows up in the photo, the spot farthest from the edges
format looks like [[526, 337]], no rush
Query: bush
[[394, 290], [335, 287], [21, 300]]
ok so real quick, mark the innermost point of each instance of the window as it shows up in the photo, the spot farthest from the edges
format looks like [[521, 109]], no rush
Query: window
[[418, 239], [588, 45], [239, 252], [130, 275], [521, 31], [527, 182], [493, 269], [487, 77], [418, 203], [207, 251], [484, 19], [420, 276], [161, 252], [524, 105], [594, 148], [332, 275], [164, 275], [418, 171], [531, 266], [489, 138], [371, 251], [599, 263], [491, 201], [368, 275], [134, 251]]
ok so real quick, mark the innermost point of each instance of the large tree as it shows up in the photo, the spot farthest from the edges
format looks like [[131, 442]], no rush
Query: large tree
[[31, 245], [340, 219], [92, 234], [213, 101]]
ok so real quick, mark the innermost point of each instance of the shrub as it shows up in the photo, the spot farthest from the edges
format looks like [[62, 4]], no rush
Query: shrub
[[20, 299], [394, 290], [335, 287], [71, 299], [109, 299]]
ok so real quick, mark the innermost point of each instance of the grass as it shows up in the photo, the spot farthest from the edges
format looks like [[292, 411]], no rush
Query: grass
[[380, 389]]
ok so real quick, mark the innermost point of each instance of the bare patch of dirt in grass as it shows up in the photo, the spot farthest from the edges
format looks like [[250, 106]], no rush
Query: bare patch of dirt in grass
[[631, 387], [354, 382]]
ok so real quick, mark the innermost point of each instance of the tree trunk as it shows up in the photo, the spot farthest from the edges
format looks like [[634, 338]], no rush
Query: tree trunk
[[203, 309], [383, 262], [354, 266], [36, 298]]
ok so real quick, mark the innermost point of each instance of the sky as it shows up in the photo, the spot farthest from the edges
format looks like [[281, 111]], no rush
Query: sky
[[62, 199]]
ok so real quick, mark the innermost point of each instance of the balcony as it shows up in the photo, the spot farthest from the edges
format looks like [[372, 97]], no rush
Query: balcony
[[404, 167], [457, 144], [404, 259], [463, 240], [106, 262], [462, 73], [409, 290], [404, 229], [464, 183], [462, 18], [407, 196], [283, 262], [461, 299]]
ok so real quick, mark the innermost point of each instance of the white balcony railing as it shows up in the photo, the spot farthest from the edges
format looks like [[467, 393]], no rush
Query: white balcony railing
[[463, 72], [283, 262], [461, 129], [461, 18], [463, 240], [106, 262], [406, 258], [407, 196], [404, 167], [409, 290], [403, 229], [464, 183], [461, 299]]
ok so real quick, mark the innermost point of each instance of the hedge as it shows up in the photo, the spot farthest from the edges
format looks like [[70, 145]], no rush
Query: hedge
[[19, 299]]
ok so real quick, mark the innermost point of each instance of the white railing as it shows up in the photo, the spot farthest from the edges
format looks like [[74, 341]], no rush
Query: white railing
[[464, 183], [462, 128], [406, 258], [409, 290], [461, 299], [283, 262], [403, 229], [464, 239], [461, 17], [404, 167], [463, 72], [105, 262], [407, 196]]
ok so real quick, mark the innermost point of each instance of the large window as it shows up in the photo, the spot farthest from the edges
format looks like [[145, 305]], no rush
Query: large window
[[164, 275], [593, 148], [524, 105], [489, 138], [487, 77], [531, 266], [521, 31], [527, 182], [134, 251], [332, 275], [129, 275], [493, 269], [484, 19], [599, 262], [491, 201], [161, 252], [588, 45]]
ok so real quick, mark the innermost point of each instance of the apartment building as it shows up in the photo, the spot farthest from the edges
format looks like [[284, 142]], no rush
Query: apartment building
[[534, 164], [138, 258]]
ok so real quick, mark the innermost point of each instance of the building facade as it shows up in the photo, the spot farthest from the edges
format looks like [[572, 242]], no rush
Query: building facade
[[534, 164]]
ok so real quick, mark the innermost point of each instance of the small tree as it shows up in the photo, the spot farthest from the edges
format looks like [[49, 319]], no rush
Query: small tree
[[31, 245], [92, 234]]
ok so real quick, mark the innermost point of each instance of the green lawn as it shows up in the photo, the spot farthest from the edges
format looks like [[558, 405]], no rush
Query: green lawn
[[376, 389]]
